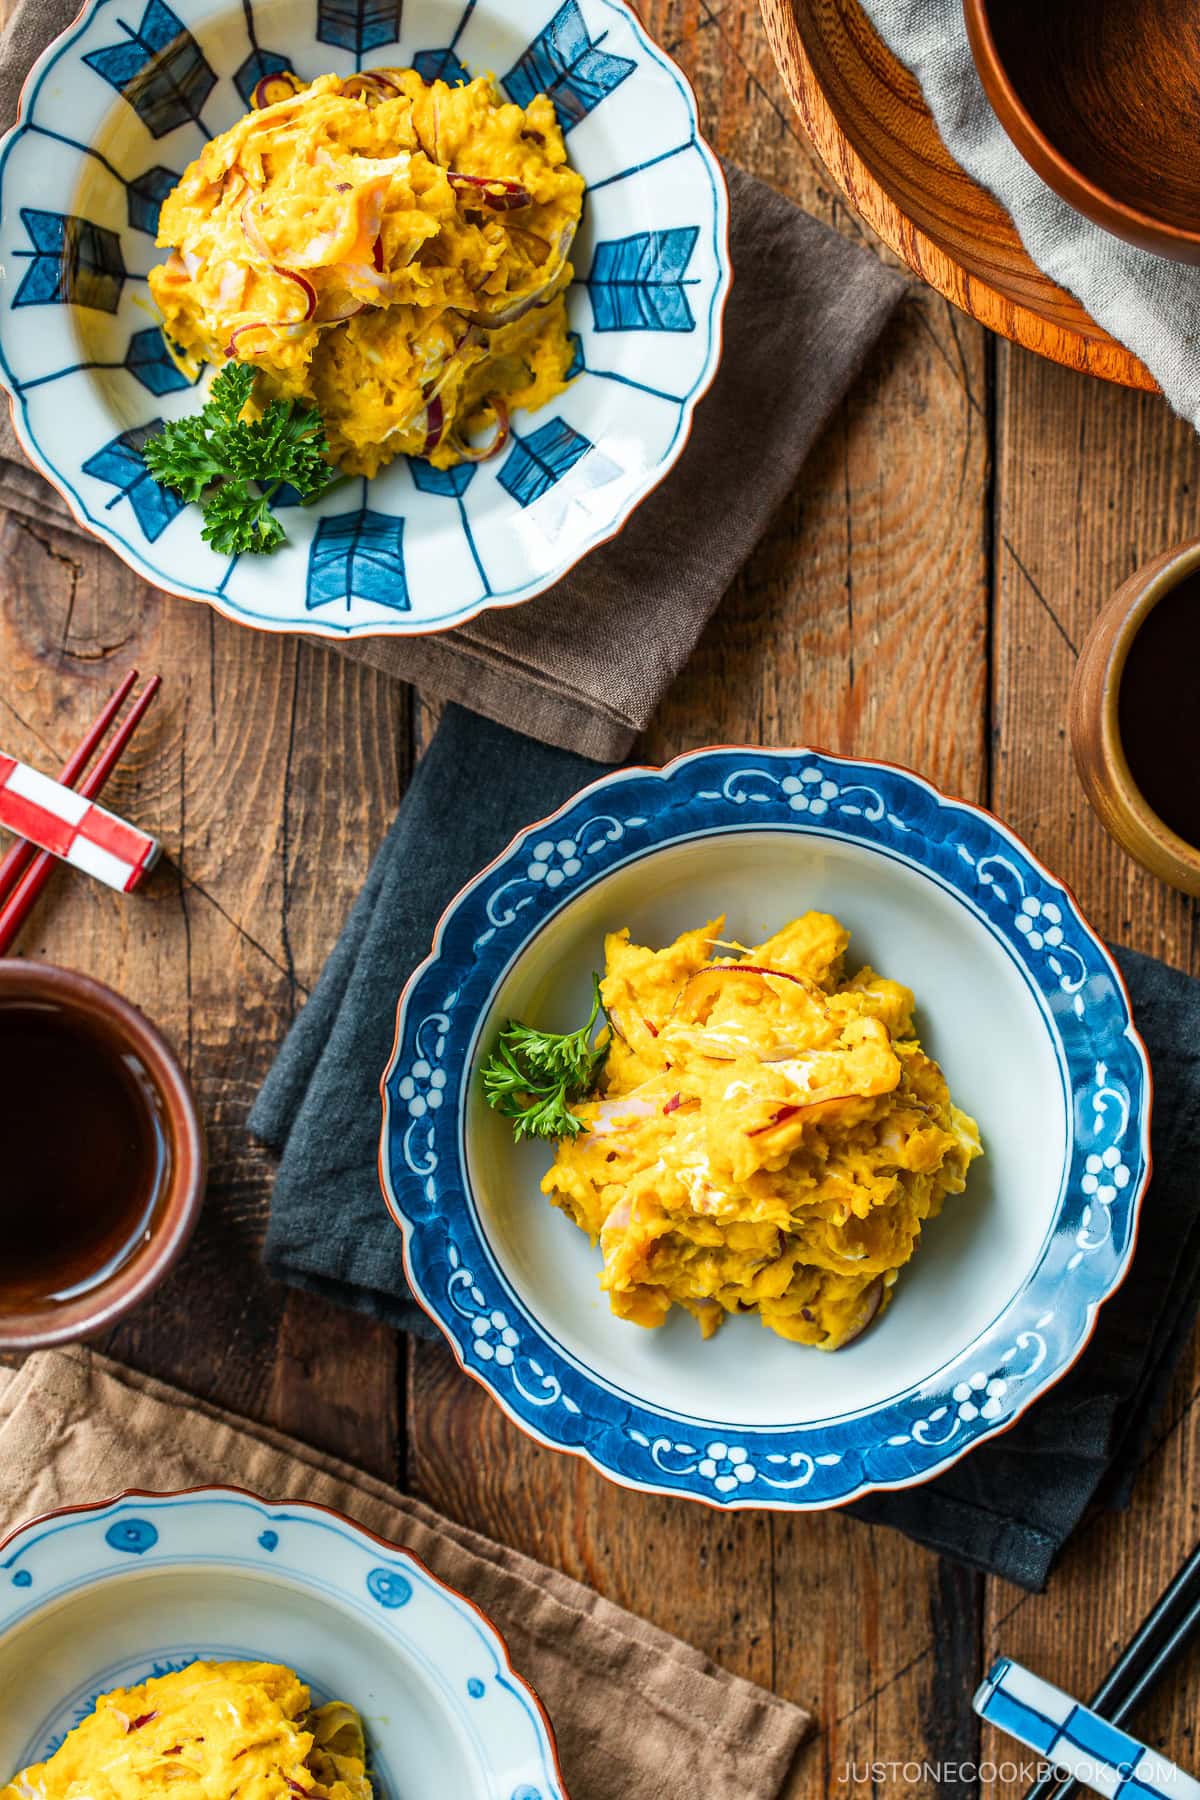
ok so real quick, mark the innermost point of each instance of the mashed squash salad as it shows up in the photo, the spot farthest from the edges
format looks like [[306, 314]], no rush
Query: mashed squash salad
[[392, 251], [208, 1732], [771, 1137]]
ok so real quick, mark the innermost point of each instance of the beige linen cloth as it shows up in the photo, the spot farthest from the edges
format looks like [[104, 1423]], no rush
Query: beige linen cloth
[[585, 664], [637, 1714]]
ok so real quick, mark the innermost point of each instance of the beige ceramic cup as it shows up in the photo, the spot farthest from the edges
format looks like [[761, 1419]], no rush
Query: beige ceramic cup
[[1094, 725]]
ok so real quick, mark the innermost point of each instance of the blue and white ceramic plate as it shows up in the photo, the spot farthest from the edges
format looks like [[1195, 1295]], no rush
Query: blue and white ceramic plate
[[100, 1597], [117, 107], [1017, 999]]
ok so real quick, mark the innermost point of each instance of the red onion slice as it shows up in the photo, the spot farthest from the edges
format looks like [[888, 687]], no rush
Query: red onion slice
[[696, 986], [334, 309], [435, 425], [304, 284], [492, 190], [539, 296], [469, 453], [288, 330], [706, 984], [784, 1113], [271, 89], [467, 339], [370, 84], [409, 256], [523, 237], [872, 1299], [509, 315]]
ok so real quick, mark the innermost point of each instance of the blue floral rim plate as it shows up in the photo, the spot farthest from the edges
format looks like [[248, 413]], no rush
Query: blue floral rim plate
[[111, 114], [111, 1595], [1017, 997]]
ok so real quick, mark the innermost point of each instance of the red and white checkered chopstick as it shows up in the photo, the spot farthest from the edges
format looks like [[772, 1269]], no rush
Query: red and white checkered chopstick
[[25, 870], [19, 857], [83, 834]]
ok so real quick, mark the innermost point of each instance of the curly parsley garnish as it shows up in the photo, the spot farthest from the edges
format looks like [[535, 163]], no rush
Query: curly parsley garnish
[[531, 1076], [233, 467]]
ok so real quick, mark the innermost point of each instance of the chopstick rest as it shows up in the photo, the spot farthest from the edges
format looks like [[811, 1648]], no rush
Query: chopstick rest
[[1073, 1737], [72, 827]]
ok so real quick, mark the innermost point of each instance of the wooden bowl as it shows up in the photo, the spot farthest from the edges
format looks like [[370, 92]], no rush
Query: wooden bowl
[[1093, 720], [1100, 97], [100, 1014], [866, 117]]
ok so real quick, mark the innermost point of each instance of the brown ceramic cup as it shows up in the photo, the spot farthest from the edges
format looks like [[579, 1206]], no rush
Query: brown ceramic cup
[[102, 1014], [1099, 96], [1093, 719]]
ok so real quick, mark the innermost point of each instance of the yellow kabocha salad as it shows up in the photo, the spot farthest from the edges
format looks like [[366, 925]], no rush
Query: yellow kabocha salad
[[387, 257], [766, 1135], [210, 1729]]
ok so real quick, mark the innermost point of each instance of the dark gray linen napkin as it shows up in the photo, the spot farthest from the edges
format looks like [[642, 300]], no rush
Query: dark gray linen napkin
[[585, 664], [477, 785], [1010, 1506]]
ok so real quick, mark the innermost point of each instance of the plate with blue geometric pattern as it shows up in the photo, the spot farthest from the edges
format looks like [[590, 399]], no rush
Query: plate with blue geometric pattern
[[128, 96], [1017, 999], [109, 1595]]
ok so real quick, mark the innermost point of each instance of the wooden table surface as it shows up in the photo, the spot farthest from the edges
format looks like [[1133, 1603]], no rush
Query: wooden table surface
[[920, 598]]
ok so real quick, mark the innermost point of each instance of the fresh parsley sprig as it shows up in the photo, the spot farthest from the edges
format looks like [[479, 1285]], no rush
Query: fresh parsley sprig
[[532, 1076], [233, 467]]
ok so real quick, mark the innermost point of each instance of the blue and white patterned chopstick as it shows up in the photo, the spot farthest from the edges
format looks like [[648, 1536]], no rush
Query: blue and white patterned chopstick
[[1074, 1738]]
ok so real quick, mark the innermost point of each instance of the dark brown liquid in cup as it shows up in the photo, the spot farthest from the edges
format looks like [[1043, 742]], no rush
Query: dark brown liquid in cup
[[84, 1155], [1158, 709]]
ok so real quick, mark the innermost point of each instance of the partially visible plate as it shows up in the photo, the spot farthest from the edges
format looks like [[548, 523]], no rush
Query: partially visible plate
[[105, 1596], [1016, 998], [123, 100], [868, 120]]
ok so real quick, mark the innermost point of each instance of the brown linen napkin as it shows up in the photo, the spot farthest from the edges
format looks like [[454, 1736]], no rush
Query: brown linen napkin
[[585, 665], [636, 1713]]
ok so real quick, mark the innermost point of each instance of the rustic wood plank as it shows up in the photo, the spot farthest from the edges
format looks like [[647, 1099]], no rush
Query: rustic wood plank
[[871, 585], [269, 768], [1091, 481]]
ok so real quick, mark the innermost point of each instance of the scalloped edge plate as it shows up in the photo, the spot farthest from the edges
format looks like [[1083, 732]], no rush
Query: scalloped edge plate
[[414, 550], [494, 1333]]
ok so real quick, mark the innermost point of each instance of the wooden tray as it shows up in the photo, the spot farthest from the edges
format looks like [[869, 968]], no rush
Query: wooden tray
[[864, 112]]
